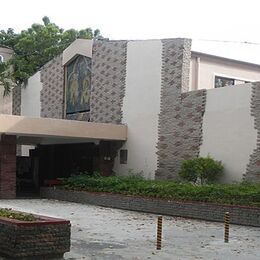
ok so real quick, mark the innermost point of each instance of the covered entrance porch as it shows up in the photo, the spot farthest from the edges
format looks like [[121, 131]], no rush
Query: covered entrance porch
[[58, 148]]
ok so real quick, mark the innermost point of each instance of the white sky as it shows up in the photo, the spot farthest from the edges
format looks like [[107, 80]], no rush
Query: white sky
[[227, 20]]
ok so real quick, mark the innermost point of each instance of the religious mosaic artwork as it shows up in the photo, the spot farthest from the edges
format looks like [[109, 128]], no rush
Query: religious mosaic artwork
[[78, 85]]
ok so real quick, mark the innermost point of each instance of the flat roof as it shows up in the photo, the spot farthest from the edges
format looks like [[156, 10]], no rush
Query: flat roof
[[47, 130], [196, 53]]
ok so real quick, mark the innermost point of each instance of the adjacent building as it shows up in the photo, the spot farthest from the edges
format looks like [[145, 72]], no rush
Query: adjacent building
[[210, 71]]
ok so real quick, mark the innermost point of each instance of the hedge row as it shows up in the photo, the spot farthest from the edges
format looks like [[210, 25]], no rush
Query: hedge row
[[236, 194]]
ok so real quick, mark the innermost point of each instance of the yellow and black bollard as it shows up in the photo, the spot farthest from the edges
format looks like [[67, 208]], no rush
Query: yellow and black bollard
[[226, 225], [159, 233]]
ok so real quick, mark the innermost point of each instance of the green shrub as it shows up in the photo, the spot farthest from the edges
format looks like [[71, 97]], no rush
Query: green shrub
[[9, 213], [204, 170], [237, 194]]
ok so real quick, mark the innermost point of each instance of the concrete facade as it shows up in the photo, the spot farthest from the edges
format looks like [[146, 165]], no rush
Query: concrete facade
[[141, 107], [29, 127], [30, 97], [16, 101], [78, 47], [5, 101], [144, 85], [228, 130], [175, 56], [52, 92], [253, 167], [108, 81]]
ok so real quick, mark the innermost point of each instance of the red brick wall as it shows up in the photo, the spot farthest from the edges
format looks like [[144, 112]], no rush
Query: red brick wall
[[7, 167]]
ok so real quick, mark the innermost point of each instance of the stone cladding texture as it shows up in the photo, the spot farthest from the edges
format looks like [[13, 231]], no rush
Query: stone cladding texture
[[7, 167], [253, 167], [108, 81], [34, 241], [52, 93], [186, 65], [240, 215], [181, 115], [16, 101]]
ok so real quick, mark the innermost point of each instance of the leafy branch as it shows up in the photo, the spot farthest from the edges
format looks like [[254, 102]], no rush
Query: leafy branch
[[33, 48]]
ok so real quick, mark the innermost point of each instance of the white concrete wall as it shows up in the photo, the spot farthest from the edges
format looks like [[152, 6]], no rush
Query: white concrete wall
[[5, 102], [141, 107], [78, 47], [210, 67], [31, 105], [228, 129]]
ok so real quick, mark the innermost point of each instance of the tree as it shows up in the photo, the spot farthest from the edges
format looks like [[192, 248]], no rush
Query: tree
[[34, 47]]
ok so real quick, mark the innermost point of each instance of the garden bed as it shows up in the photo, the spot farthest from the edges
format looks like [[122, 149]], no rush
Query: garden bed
[[247, 194], [40, 237], [208, 202]]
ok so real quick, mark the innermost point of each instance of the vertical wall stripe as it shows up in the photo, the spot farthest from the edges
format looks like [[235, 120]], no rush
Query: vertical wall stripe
[[175, 69], [253, 167], [108, 81], [52, 93], [228, 129], [16, 101], [141, 107]]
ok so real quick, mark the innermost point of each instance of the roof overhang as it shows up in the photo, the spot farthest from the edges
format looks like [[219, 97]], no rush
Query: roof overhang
[[78, 47], [46, 130]]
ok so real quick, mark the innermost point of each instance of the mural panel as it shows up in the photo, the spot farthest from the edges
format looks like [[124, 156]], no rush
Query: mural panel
[[78, 85]]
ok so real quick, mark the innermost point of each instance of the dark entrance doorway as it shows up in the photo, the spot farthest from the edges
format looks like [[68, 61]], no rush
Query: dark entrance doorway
[[27, 180], [63, 160]]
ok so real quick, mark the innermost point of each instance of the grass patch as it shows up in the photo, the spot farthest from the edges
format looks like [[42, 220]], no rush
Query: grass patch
[[9, 213], [233, 194]]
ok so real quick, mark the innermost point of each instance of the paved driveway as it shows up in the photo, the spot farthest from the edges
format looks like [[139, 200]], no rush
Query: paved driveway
[[105, 233]]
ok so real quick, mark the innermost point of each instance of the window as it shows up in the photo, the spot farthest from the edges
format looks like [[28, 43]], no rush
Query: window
[[123, 156], [1, 58], [223, 82], [78, 85]]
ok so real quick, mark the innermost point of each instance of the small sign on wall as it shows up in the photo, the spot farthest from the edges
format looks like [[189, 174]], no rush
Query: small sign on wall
[[123, 156]]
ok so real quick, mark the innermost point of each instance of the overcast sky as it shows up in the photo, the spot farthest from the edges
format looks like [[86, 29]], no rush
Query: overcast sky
[[222, 20]]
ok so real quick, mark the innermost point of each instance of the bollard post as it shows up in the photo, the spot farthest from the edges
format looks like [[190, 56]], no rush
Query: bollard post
[[226, 227], [159, 233]]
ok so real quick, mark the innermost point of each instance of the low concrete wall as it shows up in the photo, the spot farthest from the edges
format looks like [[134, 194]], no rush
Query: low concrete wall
[[241, 215]]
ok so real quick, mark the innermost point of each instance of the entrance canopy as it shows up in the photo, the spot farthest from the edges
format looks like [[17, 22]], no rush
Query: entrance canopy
[[50, 131]]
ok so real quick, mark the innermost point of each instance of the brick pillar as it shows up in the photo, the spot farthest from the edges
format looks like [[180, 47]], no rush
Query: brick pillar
[[7, 167]]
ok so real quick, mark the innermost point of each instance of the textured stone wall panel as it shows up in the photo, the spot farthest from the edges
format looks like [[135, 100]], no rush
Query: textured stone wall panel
[[108, 81], [191, 119], [186, 65], [253, 167], [183, 137], [16, 101], [52, 93], [177, 139]]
